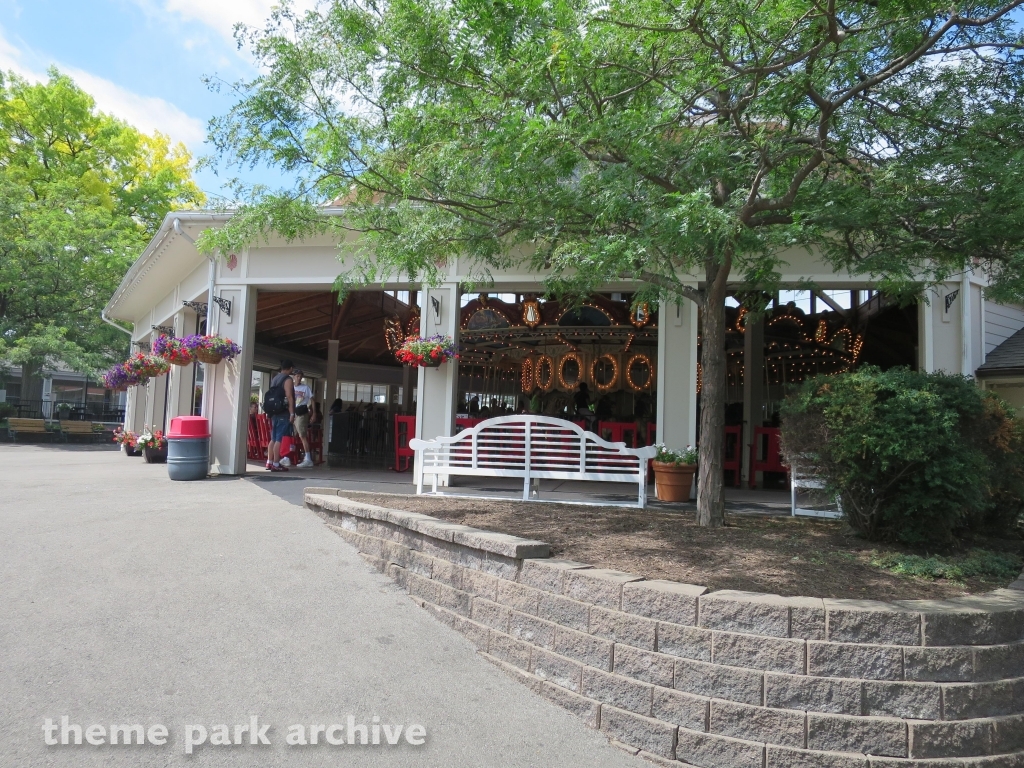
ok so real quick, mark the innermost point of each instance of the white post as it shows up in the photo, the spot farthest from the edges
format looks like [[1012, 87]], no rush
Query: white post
[[438, 387], [677, 374], [966, 366]]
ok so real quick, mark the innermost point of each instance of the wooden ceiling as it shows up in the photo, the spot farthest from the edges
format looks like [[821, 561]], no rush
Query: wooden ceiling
[[304, 321]]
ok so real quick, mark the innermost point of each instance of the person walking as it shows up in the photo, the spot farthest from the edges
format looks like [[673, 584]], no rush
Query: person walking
[[303, 410], [279, 405]]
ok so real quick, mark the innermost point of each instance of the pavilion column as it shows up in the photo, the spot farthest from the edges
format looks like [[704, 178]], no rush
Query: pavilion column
[[330, 387], [407, 385], [230, 383], [180, 396], [677, 375], [135, 409], [438, 387], [753, 388]]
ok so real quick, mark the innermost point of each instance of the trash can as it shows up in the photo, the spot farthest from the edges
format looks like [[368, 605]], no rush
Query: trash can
[[188, 448]]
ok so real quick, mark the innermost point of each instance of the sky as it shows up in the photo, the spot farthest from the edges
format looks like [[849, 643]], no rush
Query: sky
[[143, 61]]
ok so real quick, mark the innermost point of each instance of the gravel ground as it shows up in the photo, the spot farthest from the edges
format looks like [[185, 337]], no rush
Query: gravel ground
[[131, 599]]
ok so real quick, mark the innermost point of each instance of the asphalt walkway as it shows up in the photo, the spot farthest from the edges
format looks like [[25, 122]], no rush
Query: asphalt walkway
[[131, 599]]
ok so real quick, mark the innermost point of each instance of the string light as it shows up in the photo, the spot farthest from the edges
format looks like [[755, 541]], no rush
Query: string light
[[526, 374], [571, 356], [544, 361], [639, 359], [610, 384]]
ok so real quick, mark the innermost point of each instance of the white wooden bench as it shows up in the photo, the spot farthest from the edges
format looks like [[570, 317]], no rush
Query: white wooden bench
[[534, 448]]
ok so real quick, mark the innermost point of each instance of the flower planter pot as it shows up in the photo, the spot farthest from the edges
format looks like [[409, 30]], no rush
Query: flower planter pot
[[433, 363], [182, 361], [131, 451], [155, 455], [206, 356], [672, 482]]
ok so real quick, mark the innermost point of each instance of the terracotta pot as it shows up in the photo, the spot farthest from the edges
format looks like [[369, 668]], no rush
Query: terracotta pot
[[206, 356], [672, 482], [155, 455]]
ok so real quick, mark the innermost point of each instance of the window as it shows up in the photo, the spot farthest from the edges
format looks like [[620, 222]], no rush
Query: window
[[842, 298], [802, 299], [380, 393]]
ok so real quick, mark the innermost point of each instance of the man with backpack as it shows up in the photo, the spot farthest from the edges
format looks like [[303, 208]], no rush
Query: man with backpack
[[279, 405]]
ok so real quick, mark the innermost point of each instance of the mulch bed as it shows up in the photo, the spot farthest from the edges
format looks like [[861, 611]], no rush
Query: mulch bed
[[780, 555]]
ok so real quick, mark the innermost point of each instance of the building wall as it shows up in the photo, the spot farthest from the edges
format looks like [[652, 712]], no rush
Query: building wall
[[1001, 322]]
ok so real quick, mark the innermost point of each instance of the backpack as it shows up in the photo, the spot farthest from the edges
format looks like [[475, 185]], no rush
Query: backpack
[[275, 401]]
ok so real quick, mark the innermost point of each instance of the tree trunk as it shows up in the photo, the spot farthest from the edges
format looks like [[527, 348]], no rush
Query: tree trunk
[[710, 485], [31, 380]]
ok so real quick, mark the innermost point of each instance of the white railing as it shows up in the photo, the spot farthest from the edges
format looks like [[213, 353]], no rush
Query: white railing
[[534, 448]]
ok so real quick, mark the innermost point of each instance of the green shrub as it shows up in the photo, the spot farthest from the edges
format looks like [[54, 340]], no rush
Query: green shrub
[[978, 563], [6, 411], [911, 456]]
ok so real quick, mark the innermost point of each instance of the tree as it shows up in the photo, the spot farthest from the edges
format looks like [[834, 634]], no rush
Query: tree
[[684, 144], [81, 193]]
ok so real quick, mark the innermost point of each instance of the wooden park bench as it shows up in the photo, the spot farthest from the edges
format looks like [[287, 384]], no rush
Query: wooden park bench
[[17, 427], [78, 429], [534, 448]]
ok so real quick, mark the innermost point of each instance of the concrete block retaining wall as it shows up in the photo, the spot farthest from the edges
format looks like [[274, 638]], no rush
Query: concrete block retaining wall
[[722, 679]]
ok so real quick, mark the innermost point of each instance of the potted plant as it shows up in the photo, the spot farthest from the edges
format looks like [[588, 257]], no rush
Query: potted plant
[[154, 446], [128, 439], [673, 473], [173, 350], [427, 353], [211, 349]]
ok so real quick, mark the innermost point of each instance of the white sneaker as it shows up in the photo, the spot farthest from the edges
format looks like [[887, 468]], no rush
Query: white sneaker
[[285, 461], [306, 463]]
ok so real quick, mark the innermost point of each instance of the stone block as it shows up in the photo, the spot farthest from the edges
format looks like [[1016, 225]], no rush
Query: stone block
[[938, 664], [562, 610], [490, 614], [871, 622], [999, 662], [622, 628], [807, 618], [963, 701], [510, 650], [994, 618], [685, 642], [453, 599], [914, 701], [584, 648], [664, 762], [548, 575], [502, 544], [712, 751], [869, 662], [519, 675], [374, 562], [518, 596], [398, 573], [502, 567], [422, 588], [586, 709], [742, 721], [617, 690], [1008, 734], [1000, 761], [962, 738], [477, 634], [530, 629], [772, 654], [865, 735], [419, 563], [556, 669], [785, 757], [600, 586], [438, 529], [397, 553], [662, 600], [447, 573], [680, 708], [646, 733], [650, 667], [479, 583], [748, 612], [816, 694], [742, 685]]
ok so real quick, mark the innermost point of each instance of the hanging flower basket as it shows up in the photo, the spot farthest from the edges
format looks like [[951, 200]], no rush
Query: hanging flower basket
[[211, 349], [430, 352], [175, 351]]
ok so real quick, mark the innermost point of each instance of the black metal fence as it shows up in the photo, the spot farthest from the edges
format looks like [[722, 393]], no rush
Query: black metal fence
[[65, 411], [362, 439]]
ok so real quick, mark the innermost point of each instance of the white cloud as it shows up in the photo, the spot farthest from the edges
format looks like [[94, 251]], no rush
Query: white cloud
[[147, 113], [222, 15]]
